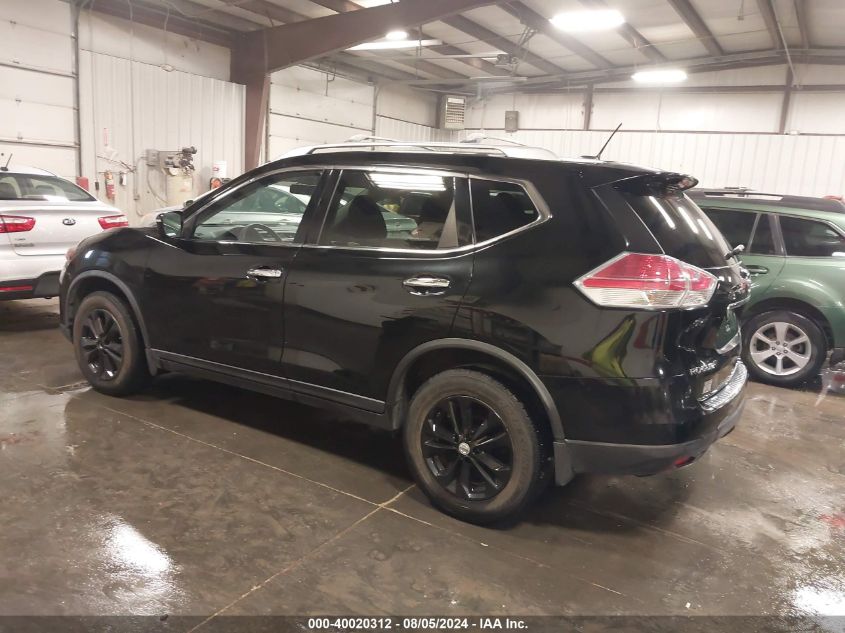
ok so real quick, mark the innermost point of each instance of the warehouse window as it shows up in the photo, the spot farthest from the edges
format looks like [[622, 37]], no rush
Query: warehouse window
[[808, 238], [499, 208]]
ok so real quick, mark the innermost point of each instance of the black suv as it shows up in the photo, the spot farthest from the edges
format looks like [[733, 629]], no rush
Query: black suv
[[517, 319]]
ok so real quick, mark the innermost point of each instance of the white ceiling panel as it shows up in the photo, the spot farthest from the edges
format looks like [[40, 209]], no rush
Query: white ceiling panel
[[826, 22]]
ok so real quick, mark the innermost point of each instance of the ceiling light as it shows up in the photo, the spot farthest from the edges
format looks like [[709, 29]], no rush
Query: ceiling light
[[381, 45], [667, 76], [396, 35], [581, 21]]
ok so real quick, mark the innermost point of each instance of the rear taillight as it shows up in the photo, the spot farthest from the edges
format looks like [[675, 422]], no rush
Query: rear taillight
[[16, 224], [113, 221], [650, 282]]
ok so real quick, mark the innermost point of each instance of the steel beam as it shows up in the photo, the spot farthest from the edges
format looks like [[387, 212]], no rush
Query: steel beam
[[690, 16], [256, 54], [767, 11], [534, 20], [632, 35], [588, 106], [495, 40], [787, 99], [803, 25], [158, 19], [344, 6]]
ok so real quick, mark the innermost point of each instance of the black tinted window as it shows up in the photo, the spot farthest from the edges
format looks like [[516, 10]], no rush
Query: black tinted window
[[736, 226], [808, 238], [397, 210], [681, 228], [763, 242], [499, 208]]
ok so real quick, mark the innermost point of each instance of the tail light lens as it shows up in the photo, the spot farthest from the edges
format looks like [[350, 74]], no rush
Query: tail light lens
[[113, 221], [16, 224], [649, 282]]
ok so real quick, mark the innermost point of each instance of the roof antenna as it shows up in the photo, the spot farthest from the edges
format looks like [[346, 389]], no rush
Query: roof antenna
[[6, 166], [606, 143]]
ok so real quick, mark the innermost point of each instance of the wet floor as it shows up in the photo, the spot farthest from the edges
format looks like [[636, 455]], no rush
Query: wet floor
[[200, 499]]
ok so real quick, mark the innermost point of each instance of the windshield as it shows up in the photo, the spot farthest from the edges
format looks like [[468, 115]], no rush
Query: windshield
[[37, 187]]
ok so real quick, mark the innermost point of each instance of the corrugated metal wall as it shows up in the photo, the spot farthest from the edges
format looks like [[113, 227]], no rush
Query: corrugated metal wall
[[308, 107], [128, 107], [37, 109], [808, 165]]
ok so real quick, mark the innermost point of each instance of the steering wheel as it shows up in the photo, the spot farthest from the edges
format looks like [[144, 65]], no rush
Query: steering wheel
[[259, 233]]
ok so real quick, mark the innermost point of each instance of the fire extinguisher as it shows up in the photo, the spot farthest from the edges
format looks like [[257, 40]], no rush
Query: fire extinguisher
[[109, 178]]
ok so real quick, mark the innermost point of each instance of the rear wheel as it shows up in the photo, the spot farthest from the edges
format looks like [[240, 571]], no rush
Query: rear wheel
[[472, 447], [108, 347], [783, 348]]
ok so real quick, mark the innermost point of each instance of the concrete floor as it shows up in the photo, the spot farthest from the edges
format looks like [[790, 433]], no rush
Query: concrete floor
[[201, 499]]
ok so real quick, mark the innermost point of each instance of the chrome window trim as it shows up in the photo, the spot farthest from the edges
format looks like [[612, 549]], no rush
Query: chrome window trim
[[543, 212]]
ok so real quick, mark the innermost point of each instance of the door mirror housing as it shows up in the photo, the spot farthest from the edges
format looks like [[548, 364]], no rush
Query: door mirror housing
[[169, 223]]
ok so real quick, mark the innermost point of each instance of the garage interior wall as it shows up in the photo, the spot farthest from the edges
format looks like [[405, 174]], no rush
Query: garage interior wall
[[722, 138], [142, 88], [37, 102]]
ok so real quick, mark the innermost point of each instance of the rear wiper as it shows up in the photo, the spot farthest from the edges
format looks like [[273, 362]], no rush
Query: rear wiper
[[734, 252]]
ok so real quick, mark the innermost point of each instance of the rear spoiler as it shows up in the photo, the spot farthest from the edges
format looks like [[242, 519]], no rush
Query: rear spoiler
[[658, 184]]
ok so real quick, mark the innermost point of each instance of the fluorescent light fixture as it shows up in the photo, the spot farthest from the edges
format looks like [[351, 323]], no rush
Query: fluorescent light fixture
[[588, 20], [667, 76], [381, 45], [396, 35]]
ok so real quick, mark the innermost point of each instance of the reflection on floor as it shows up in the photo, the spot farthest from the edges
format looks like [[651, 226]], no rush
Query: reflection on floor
[[197, 499]]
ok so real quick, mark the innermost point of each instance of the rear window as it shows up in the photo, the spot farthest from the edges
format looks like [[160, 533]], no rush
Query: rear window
[[808, 238], [36, 187], [681, 228]]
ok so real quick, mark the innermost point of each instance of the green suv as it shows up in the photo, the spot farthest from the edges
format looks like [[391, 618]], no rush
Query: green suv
[[795, 256]]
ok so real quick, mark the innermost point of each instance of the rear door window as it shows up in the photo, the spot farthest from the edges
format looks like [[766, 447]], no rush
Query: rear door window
[[499, 208], [681, 228], [736, 226], [763, 241], [809, 238]]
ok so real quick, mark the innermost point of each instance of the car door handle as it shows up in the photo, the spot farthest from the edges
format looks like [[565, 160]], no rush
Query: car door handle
[[757, 270], [426, 285], [264, 273]]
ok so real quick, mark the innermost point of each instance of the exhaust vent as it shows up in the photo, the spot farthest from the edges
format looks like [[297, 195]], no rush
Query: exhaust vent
[[452, 112]]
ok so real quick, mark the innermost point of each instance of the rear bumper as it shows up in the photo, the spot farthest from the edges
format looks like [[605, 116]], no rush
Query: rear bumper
[[719, 413], [45, 285]]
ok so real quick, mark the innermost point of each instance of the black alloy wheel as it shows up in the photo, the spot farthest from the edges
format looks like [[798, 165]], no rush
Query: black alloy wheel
[[467, 448], [101, 342]]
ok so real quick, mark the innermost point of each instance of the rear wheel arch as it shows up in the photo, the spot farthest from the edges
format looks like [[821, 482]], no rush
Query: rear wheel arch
[[793, 305], [434, 357]]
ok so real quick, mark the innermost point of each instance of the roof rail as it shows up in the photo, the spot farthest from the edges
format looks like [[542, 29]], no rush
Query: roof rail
[[514, 151], [783, 200]]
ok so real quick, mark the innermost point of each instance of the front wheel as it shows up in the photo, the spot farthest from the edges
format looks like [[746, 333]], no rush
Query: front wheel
[[108, 346], [783, 348], [472, 447]]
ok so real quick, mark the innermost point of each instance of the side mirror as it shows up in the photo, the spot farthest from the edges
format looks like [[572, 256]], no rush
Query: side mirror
[[169, 223]]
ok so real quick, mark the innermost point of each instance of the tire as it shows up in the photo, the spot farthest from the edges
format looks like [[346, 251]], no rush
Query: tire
[[97, 357], [783, 366], [434, 443]]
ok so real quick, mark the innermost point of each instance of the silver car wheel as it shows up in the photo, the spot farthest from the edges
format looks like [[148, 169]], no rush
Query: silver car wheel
[[780, 349]]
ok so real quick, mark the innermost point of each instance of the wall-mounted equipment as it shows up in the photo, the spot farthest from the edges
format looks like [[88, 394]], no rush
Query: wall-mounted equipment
[[177, 167], [511, 121], [451, 115]]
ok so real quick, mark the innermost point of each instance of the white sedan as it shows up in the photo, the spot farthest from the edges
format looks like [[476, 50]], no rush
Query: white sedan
[[41, 217]]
